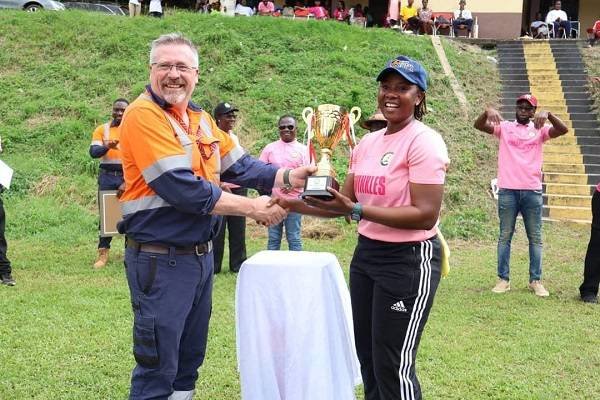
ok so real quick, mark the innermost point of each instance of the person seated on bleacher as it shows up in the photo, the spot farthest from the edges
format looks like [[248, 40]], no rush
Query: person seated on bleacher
[[241, 9], [215, 8], [300, 10], [356, 15], [539, 29], [594, 33], [408, 14], [425, 15], [266, 7], [318, 11], [463, 19], [559, 20], [341, 14]]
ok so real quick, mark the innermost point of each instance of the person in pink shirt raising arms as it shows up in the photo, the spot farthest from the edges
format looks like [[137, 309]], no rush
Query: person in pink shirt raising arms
[[394, 190], [520, 181], [286, 152]]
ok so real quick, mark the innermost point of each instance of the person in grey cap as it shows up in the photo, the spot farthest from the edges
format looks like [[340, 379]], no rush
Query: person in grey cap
[[225, 117], [394, 190]]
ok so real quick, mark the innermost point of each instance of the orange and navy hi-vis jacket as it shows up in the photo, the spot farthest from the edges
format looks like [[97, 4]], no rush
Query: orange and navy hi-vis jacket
[[172, 177], [110, 159]]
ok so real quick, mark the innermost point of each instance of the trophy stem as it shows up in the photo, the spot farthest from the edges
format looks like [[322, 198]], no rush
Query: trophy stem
[[324, 167]]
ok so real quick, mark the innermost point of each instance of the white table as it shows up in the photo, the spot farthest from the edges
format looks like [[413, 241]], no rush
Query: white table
[[294, 328]]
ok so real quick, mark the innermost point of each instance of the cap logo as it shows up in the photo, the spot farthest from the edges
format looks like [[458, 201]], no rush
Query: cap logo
[[402, 64], [227, 105]]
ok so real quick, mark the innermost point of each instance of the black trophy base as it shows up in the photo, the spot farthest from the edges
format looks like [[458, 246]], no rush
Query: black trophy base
[[316, 186]]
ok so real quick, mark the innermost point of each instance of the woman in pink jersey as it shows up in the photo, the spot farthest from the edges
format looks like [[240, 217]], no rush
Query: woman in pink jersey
[[394, 190]]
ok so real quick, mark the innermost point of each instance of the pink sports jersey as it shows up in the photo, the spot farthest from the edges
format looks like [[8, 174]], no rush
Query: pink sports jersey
[[286, 155], [383, 166], [520, 155], [598, 187]]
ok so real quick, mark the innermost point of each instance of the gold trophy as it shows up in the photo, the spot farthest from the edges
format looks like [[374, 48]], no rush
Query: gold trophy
[[326, 126]]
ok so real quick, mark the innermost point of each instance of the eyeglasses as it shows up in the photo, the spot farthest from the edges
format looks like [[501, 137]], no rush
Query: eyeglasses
[[288, 127], [165, 67]]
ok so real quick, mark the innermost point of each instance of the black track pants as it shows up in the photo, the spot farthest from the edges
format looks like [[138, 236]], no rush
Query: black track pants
[[392, 286]]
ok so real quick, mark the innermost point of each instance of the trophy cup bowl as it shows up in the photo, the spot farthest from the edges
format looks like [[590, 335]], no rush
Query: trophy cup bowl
[[327, 125]]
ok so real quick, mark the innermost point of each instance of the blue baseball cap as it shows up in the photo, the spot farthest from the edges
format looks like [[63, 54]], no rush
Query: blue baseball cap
[[411, 70]]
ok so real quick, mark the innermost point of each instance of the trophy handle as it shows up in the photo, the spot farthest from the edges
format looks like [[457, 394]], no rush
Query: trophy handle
[[355, 113], [354, 116], [307, 115]]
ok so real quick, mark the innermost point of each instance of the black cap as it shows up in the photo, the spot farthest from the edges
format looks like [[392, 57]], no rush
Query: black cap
[[223, 108]]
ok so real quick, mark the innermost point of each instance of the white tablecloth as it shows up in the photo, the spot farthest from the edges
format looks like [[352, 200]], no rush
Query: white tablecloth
[[294, 328]]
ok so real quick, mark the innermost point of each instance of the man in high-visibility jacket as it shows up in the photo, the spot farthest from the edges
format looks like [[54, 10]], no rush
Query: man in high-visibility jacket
[[105, 146], [173, 158]]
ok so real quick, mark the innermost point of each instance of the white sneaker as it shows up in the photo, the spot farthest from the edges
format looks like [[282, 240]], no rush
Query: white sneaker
[[501, 287], [538, 289]]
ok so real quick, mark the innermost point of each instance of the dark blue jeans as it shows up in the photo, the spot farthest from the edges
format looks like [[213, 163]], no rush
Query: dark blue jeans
[[529, 203], [293, 233], [171, 300]]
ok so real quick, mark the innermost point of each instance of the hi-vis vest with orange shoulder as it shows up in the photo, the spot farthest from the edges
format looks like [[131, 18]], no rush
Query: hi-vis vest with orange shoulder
[[172, 176], [103, 134]]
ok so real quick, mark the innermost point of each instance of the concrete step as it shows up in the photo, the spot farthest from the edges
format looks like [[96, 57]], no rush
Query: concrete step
[[562, 213], [587, 133], [567, 149], [508, 70], [580, 102], [504, 52], [543, 66], [579, 140], [566, 189], [568, 168], [550, 96], [567, 200], [571, 179], [547, 75], [586, 124], [546, 83]]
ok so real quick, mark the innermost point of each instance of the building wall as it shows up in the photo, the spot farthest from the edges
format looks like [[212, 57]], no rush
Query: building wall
[[589, 12]]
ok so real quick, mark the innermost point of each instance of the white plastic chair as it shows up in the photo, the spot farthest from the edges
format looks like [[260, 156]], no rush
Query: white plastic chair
[[574, 28]]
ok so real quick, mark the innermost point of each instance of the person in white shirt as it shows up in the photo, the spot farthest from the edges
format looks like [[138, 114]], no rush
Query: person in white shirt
[[135, 8], [558, 18], [241, 9], [462, 18], [155, 9]]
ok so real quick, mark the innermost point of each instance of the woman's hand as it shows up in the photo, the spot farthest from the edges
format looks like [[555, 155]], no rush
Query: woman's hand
[[339, 204]]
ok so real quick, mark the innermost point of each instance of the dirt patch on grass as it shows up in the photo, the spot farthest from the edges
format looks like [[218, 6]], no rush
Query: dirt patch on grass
[[312, 228], [46, 185], [38, 120]]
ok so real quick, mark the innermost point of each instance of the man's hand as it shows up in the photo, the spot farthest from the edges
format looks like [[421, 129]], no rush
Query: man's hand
[[265, 212], [540, 119], [493, 116], [225, 188], [111, 144], [298, 175], [120, 190]]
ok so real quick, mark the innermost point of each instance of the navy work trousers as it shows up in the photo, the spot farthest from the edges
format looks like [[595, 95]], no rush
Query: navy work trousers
[[108, 180], [171, 300], [392, 286]]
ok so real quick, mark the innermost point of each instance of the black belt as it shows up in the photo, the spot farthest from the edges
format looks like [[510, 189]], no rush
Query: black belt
[[108, 172], [198, 249]]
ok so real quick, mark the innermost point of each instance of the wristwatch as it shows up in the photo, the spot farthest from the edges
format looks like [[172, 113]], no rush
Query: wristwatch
[[287, 185], [356, 213]]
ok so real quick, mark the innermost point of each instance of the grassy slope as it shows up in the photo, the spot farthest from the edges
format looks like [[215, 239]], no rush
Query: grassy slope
[[65, 330]]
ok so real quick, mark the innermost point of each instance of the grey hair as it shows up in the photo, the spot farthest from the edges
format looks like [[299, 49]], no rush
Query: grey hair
[[173, 39]]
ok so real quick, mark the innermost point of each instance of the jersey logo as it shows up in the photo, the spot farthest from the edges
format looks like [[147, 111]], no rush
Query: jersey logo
[[386, 158]]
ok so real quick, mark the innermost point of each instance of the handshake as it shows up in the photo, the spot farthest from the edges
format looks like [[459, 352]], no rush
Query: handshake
[[267, 211]]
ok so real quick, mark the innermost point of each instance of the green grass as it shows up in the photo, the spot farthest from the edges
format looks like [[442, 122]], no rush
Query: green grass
[[65, 330]]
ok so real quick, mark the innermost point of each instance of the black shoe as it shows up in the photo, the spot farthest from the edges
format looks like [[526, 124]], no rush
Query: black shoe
[[589, 298], [8, 280]]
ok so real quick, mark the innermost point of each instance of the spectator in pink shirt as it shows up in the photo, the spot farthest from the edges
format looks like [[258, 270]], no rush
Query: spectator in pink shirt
[[318, 11], [286, 152], [520, 181], [266, 7], [341, 14]]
